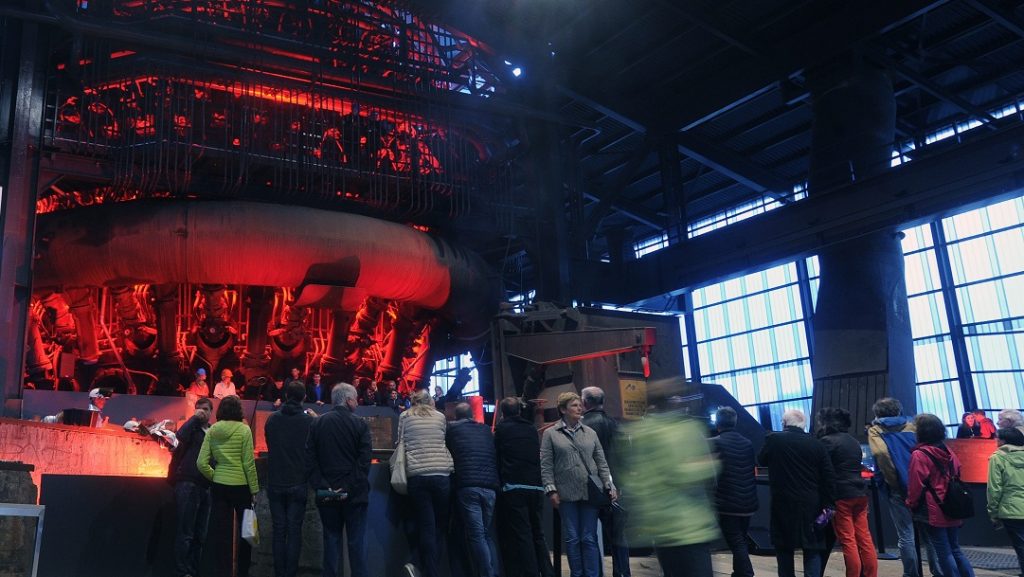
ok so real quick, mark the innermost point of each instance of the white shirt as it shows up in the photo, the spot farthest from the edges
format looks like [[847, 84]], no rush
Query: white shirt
[[223, 389]]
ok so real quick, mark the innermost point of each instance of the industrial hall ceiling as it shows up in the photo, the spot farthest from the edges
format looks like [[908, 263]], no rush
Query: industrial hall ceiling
[[548, 136], [677, 111]]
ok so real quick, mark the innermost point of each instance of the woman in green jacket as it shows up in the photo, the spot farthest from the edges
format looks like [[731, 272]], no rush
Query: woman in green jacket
[[229, 445], [1006, 488]]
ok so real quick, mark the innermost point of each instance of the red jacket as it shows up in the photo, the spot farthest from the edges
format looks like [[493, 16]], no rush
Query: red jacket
[[923, 469]]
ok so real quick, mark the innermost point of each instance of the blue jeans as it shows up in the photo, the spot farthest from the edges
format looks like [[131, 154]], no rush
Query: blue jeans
[[336, 518], [579, 529], [903, 519], [1015, 529], [477, 508], [812, 561], [947, 551], [192, 502], [287, 511], [429, 495]]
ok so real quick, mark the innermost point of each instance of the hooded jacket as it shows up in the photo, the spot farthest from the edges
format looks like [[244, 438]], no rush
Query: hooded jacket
[[891, 440], [230, 445], [286, 431], [923, 470], [1006, 483]]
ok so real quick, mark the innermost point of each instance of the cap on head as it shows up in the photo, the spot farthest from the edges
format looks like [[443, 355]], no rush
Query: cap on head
[[201, 372], [99, 393]]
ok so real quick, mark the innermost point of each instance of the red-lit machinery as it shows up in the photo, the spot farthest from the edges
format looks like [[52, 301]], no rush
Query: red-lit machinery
[[259, 185]]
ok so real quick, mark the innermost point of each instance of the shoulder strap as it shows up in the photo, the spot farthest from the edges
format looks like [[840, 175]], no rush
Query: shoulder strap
[[578, 449]]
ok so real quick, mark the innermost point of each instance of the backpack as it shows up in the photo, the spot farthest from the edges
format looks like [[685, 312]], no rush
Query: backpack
[[900, 445], [958, 503]]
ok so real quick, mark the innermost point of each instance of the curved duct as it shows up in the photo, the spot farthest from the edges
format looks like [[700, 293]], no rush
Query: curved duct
[[231, 242]]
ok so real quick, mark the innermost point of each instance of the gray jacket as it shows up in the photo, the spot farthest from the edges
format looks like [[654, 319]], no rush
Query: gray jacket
[[425, 451], [561, 464]]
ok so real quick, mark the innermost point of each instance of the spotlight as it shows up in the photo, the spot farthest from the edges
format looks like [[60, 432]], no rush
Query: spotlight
[[517, 72]]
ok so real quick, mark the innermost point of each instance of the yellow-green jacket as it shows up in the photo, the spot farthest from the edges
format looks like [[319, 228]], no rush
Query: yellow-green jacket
[[1006, 483], [669, 479], [230, 445]]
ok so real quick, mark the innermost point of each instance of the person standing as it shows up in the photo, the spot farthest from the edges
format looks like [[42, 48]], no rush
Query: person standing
[[611, 517], [225, 387], [428, 467], [736, 492], [97, 400], [932, 466], [851, 519], [229, 444], [338, 449], [521, 501], [191, 491], [1006, 488], [569, 453], [671, 473], [286, 431], [802, 481], [471, 445], [315, 391], [1010, 419], [891, 438], [198, 388]]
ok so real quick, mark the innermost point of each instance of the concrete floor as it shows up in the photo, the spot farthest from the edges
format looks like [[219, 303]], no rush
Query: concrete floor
[[766, 567]]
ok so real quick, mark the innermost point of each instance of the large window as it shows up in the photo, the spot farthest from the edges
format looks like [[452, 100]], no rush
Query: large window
[[939, 388], [446, 370], [751, 338], [965, 289]]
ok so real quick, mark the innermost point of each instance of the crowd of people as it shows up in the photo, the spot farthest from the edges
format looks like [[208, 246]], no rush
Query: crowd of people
[[464, 475]]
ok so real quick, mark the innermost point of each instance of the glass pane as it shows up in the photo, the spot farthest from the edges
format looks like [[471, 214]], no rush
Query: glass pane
[[934, 360], [928, 315], [942, 400], [922, 272], [999, 391], [917, 238], [983, 302], [995, 352]]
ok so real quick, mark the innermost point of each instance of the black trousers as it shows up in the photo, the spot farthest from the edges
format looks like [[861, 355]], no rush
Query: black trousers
[[734, 530], [685, 560], [521, 534], [228, 504]]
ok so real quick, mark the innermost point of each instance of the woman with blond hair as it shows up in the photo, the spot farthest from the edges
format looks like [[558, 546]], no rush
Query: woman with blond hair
[[428, 466], [570, 453]]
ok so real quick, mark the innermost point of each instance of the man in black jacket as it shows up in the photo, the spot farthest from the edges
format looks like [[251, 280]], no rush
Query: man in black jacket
[[612, 519], [286, 431], [521, 502], [338, 448], [191, 491], [736, 494], [475, 482], [802, 483]]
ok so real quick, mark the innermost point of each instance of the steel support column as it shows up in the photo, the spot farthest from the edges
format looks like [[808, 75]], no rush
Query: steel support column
[[861, 329], [21, 95]]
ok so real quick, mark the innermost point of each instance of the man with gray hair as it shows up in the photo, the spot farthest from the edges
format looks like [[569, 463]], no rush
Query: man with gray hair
[[612, 521], [802, 482], [338, 448], [1010, 419]]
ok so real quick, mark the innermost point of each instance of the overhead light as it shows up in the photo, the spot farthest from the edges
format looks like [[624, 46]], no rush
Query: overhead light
[[517, 72]]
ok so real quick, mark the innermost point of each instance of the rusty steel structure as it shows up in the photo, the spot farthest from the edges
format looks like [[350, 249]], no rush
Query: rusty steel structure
[[259, 186]]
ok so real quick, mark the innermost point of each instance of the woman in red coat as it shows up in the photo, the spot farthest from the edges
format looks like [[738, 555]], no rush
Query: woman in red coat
[[932, 465]]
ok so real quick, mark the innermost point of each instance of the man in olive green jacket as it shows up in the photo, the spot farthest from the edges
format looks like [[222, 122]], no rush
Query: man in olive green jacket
[[670, 471], [1006, 488]]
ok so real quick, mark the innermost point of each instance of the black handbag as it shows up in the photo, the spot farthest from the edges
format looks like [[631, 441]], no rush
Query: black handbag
[[597, 496]]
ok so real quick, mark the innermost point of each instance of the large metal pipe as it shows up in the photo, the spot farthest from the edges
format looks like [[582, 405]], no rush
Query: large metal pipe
[[83, 308], [154, 242]]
